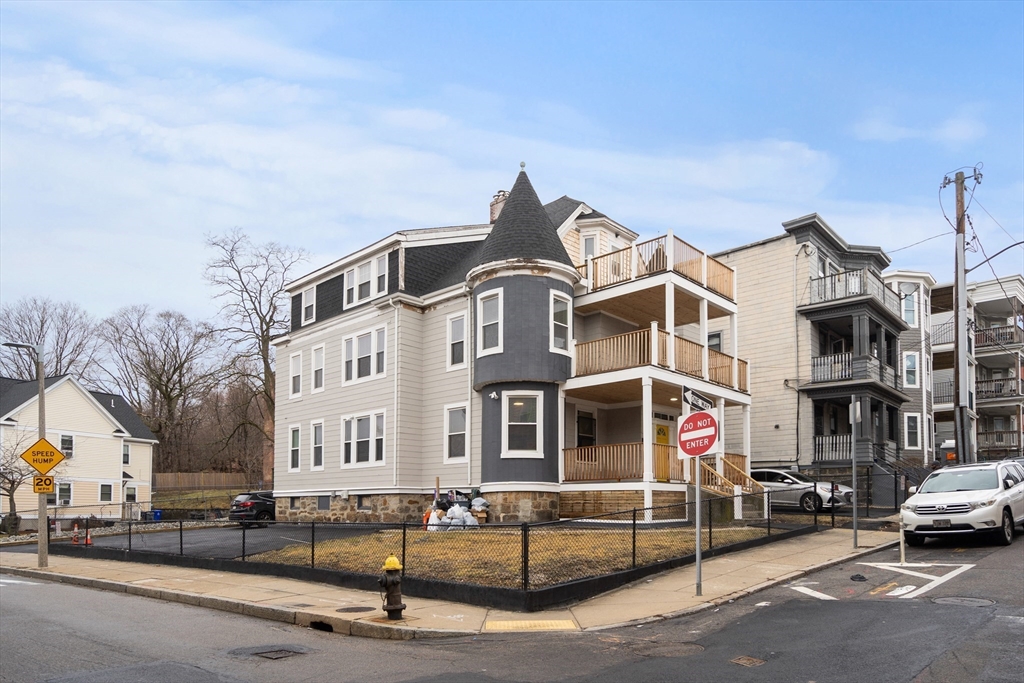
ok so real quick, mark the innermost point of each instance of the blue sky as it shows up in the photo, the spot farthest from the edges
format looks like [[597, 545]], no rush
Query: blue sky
[[129, 131]]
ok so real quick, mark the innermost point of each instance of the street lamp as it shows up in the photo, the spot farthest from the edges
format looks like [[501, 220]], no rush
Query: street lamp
[[43, 552]]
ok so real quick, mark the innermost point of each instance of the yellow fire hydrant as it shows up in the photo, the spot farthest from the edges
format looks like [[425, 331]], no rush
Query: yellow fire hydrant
[[391, 585]]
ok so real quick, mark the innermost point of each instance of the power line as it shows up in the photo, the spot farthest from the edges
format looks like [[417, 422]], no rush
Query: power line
[[941, 234], [993, 218]]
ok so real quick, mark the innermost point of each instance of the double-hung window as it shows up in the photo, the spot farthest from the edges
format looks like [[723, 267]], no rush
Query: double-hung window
[[489, 322], [366, 280], [363, 440], [350, 287], [126, 454], [382, 274], [910, 370], [522, 417], [308, 305], [67, 445], [294, 439], [61, 497], [295, 366], [316, 458], [912, 430], [455, 432], [130, 494], [318, 368], [457, 341], [561, 312], [364, 355], [910, 309], [363, 289], [106, 493]]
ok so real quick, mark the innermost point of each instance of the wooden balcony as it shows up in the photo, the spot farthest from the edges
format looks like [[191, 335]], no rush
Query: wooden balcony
[[1007, 335], [659, 255], [635, 349], [1009, 387], [625, 462], [854, 283], [841, 367], [999, 440]]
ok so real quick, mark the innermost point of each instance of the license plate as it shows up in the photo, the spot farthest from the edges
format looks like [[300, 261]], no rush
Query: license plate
[[940, 523]]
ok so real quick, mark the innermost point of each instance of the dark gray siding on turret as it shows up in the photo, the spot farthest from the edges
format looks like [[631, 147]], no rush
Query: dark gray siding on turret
[[526, 300], [494, 468]]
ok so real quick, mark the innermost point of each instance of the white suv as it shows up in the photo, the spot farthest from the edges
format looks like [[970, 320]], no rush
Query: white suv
[[984, 497]]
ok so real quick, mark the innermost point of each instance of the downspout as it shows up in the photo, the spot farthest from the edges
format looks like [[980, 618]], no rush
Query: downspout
[[394, 410], [470, 364], [804, 248]]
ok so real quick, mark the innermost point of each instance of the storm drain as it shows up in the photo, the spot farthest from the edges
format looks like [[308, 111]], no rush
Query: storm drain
[[276, 654], [964, 602], [276, 651], [747, 661], [357, 608]]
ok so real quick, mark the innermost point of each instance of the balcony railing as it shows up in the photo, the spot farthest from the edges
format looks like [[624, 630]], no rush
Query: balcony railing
[[999, 336], [943, 334], [853, 283], [998, 388], [943, 392], [625, 462], [634, 349], [839, 367], [1004, 439], [659, 255], [833, 447]]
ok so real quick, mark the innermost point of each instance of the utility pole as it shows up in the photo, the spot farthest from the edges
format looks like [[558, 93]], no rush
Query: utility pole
[[961, 385]]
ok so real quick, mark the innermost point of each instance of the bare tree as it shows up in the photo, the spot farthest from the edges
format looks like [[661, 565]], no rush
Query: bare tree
[[67, 332], [250, 280], [165, 365], [14, 472]]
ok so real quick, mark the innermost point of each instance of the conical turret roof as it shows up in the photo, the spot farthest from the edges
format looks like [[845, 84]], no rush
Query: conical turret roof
[[523, 230]]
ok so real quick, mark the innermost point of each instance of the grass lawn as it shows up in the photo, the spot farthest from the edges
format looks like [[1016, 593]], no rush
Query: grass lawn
[[207, 499], [493, 557]]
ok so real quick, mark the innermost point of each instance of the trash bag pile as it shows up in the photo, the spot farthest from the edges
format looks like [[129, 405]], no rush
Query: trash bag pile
[[454, 515]]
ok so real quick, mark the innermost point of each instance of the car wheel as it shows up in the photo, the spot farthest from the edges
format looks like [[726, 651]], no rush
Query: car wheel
[[914, 540], [1005, 534], [262, 518], [810, 502]]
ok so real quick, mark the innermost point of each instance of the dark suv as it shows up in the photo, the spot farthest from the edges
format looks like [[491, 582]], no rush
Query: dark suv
[[254, 506]]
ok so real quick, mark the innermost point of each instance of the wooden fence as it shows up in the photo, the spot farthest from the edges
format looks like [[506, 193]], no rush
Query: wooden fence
[[179, 481]]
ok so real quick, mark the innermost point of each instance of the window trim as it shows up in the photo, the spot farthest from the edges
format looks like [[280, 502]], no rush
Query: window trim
[[135, 494], [351, 298], [372, 462], [312, 303], [70, 452], [374, 333], [917, 369], [313, 424], [292, 375], [292, 429], [323, 368], [448, 337], [906, 431], [506, 452], [448, 459], [718, 336], [584, 236], [99, 493], [500, 293], [557, 295], [126, 453], [903, 310], [56, 494], [377, 273]]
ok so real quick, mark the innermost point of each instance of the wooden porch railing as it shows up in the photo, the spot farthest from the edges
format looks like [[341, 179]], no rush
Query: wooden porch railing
[[628, 350], [667, 467], [998, 388], [999, 336], [720, 278], [711, 479], [832, 447], [719, 368], [612, 268], [686, 261], [736, 460], [610, 462], [740, 478], [688, 357], [743, 369]]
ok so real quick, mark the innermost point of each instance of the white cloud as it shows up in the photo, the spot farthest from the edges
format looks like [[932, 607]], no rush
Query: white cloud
[[878, 126]]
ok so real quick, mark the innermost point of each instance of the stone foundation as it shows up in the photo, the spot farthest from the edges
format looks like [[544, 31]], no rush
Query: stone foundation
[[522, 506], [385, 507]]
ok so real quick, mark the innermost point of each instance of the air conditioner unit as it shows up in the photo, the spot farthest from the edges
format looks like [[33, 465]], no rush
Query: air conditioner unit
[[65, 501]]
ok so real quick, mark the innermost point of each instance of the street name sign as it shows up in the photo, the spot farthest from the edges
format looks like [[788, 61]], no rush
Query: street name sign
[[42, 484], [696, 400], [42, 456], [698, 434]]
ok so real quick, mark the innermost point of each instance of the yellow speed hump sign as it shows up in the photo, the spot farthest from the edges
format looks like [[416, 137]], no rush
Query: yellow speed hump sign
[[43, 484], [43, 456]]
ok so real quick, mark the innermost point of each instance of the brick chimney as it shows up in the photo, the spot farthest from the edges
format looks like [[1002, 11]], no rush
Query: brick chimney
[[497, 203]]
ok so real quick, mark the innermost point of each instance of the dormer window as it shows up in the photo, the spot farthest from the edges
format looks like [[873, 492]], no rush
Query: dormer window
[[366, 280], [309, 305], [382, 274]]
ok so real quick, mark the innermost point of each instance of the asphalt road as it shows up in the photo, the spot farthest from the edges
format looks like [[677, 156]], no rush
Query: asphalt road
[[824, 627]]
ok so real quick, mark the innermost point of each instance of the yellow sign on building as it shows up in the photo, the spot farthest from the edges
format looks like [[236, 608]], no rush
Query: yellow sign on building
[[42, 456]]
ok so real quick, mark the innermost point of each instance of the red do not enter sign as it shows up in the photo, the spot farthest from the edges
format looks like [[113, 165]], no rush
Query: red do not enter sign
[[698, 434]]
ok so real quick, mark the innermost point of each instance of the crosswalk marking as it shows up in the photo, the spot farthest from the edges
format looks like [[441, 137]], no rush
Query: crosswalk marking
[[5, 581], [813, 593]]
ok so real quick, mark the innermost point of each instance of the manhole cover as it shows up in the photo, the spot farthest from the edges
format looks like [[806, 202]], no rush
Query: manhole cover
[[747, 661], [668, 649], [276, 654], [357, 608], [281, 651], [964, 602]]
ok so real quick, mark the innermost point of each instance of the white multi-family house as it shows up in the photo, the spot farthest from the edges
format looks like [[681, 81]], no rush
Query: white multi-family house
[[108, 451], [540, 358]]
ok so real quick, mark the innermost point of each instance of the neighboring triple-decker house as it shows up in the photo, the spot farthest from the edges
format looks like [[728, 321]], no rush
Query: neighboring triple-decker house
[[540, 358]]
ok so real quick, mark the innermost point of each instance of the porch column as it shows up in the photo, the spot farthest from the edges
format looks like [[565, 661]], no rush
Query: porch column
[[670, 319], [704, 338], [720, 447], [561, 434], [746, 435], [684, 412], [655, 356], [861, 336], [733, 331], [647, 420]]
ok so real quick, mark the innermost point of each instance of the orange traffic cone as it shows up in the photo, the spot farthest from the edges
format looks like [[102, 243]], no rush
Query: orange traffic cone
[[88, 536], [74, 536]]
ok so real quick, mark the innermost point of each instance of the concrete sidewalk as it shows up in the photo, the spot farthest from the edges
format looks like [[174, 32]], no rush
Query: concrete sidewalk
[[358, 613]]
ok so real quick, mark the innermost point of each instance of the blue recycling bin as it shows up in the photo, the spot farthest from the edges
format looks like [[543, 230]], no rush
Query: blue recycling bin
[[158, 515]]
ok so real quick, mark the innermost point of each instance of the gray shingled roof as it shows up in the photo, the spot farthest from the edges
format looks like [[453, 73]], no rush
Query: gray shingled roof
[[523, 230], [430, 268], [562, 208], [15, 392]]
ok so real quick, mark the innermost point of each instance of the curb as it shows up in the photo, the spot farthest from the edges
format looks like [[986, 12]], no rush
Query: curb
[[729, 597], [314, 620]]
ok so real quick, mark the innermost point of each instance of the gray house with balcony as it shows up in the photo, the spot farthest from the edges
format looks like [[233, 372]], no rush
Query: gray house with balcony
[[822, 331]]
